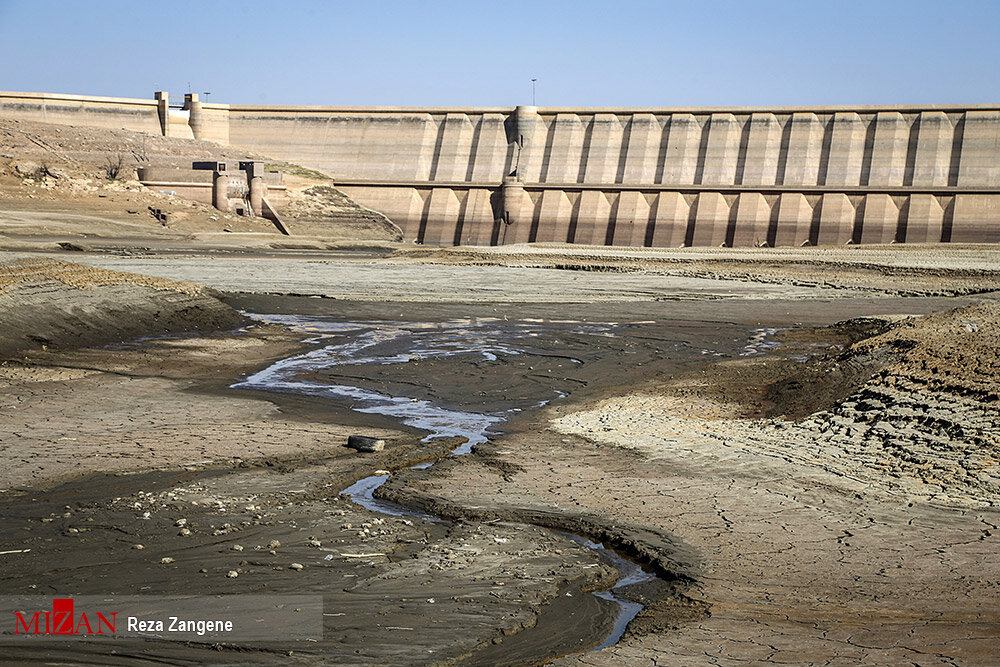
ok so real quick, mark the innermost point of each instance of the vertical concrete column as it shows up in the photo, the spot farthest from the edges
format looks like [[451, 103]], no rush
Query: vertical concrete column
[[220, 190], [760, 166], [478, 218], [978, 165], [443, 210], [521, 215], [643, 149], [563, 163], [604, 150], [670, 220], [163, 111], [975, 219], [490, 151], [805, 146], [195, 118], [683, 142], [254, 172], [924, 220], [932, 162], [631, 215], [378, 148], [258, 190], [593, 215], [530, 142], [722, 150], [455, 152], [525, 118], [879, 220], [412, 213], [847, 147], [711, 220], [555, 216], [794, 220], [511, 196], [836, 219], [888, 159], [753, 218]]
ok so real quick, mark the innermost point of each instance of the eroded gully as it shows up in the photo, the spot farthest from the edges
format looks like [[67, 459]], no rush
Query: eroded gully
[[369, 343]]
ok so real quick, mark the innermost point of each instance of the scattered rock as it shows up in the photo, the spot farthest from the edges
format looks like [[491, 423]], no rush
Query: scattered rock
[[365, 444], [296, 566], [26, 168], [167, 560], [232, 574]]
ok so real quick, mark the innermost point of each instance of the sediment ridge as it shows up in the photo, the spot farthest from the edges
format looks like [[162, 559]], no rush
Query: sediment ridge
[[52, 303]]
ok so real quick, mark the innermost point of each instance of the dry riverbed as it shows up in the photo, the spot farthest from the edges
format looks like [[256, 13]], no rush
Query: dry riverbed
[[806, 492]]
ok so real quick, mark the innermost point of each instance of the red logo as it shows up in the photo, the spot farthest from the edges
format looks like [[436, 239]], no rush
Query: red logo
[[63, 620]]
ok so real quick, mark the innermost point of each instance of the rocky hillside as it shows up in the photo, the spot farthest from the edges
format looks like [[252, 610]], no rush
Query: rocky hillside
[[58, 169]]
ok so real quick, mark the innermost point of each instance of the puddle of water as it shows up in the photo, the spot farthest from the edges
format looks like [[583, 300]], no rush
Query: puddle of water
[[758, 343], [386, 343], [630, 573], [362, 492], [423, 341]]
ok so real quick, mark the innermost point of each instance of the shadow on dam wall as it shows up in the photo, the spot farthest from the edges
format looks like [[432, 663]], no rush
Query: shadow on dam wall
[[636, 177]]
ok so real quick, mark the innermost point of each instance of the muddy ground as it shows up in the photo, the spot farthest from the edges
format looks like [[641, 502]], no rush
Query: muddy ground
[[694, 438], [245, 450]]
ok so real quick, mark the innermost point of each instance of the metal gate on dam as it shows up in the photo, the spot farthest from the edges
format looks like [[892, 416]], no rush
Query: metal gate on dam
[[654, 177]]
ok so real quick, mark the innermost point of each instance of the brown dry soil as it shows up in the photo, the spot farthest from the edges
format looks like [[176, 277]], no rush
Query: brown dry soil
[[864, 532], [833, 501], [55, 190], [48, 302]]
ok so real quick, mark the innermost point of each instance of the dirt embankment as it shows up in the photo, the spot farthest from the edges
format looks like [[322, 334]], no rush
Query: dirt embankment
[[51, 303], [79, 184], [912, 409]]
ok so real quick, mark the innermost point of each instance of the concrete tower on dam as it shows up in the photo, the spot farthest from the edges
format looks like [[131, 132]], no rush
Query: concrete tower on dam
[[654, 177]]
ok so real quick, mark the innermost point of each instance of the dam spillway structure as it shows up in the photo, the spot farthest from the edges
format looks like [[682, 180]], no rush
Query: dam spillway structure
[[656, 177]]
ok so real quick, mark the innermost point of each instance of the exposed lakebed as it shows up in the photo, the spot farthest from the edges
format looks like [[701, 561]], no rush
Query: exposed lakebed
[[321, 372], [464, 378]]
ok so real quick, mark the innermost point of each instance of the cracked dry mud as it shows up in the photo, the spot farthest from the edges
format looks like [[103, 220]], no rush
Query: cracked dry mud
[[255, 479], [866, 532], [832, 502]]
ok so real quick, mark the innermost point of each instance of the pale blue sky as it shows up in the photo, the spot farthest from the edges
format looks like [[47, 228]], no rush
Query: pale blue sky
[[424, 53]]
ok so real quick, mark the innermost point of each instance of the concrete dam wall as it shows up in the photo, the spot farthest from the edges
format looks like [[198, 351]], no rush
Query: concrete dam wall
[[654, 177]]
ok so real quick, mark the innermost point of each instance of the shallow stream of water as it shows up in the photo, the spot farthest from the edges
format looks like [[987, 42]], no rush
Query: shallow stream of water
[[365, 343]]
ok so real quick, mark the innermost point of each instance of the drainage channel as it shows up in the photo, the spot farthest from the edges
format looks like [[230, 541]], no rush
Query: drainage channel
[[423, 340]]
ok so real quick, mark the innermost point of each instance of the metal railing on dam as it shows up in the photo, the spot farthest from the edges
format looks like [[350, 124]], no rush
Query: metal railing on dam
[[657, 177]]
